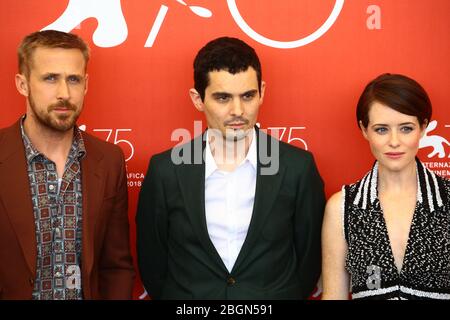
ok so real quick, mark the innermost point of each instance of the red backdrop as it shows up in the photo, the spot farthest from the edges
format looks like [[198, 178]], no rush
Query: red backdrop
[[141, 70]]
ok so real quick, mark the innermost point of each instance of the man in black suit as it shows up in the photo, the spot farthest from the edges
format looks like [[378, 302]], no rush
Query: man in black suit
[[233, 214]]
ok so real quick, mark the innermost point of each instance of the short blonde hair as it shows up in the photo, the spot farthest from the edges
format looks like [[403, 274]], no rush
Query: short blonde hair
[[48, 39]]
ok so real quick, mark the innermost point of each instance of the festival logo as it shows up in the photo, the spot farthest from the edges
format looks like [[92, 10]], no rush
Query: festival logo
[[112, 27], [438, 148]]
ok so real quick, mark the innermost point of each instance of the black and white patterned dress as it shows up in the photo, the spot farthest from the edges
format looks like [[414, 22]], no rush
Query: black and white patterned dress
[[425, 273]]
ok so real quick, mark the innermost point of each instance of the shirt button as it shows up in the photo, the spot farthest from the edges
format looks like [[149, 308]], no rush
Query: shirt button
[[51, 187], [231, 281]]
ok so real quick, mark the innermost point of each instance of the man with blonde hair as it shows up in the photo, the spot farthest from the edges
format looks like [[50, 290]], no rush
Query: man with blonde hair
[[63, 193]]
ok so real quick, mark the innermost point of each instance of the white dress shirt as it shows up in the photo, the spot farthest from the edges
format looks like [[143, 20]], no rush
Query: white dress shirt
[[229, 198]]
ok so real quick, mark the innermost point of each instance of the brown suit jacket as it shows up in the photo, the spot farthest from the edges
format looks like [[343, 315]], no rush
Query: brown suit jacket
[[106, 264]]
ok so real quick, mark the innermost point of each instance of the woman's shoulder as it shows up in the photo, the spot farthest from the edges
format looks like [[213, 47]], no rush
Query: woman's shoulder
[[435, 187], [334, 202], [444, 180]]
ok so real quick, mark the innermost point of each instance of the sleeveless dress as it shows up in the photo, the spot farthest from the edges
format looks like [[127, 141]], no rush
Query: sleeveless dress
[[425, 273]]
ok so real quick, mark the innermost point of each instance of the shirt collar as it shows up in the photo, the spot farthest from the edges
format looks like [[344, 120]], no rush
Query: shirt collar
[[252, 154], [31, 152], [210, 163]]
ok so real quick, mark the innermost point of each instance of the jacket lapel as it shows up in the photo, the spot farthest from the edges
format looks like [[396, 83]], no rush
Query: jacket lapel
[[93, 190], [15, 192], [267, 188], [191, 178]]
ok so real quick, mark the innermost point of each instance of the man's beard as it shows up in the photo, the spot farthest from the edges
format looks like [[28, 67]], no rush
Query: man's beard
[[63, 122], [236, 135], [232, 135]]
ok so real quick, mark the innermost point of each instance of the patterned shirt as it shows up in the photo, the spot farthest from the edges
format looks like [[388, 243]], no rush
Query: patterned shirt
[[57, 207]]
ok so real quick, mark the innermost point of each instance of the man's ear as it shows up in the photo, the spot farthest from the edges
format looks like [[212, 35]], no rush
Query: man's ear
[[86, 82], [263, 90], [22, 84], [363, 129], [196, 100]]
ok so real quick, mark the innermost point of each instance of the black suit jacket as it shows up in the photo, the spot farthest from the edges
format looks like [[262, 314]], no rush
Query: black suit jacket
[[280, 258]]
